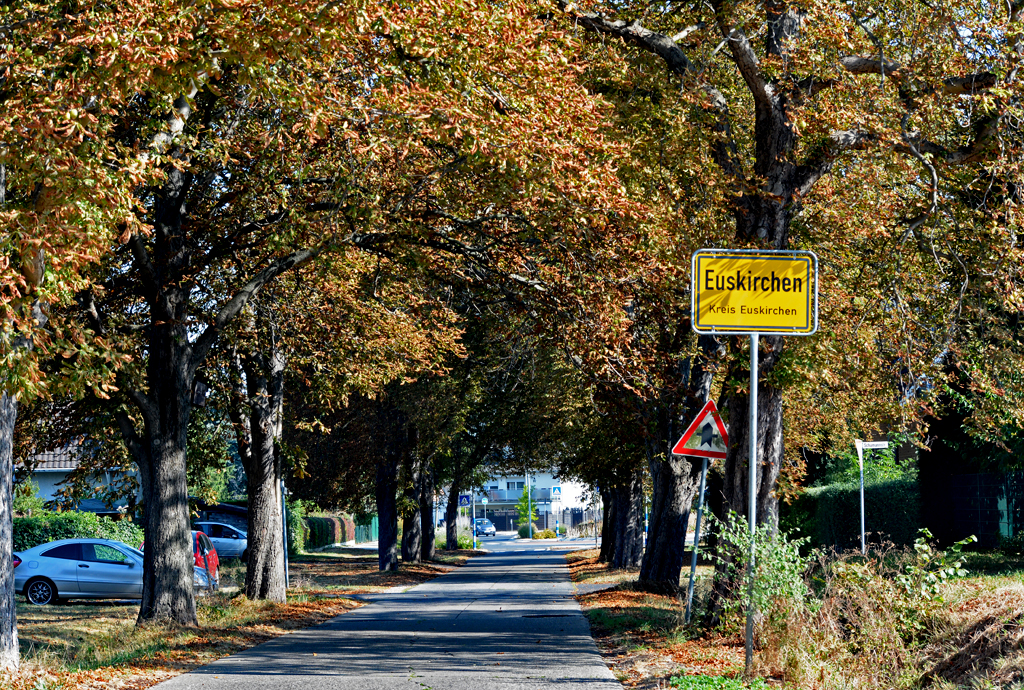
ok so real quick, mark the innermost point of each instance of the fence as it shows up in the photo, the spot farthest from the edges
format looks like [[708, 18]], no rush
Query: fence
[[367, 532]]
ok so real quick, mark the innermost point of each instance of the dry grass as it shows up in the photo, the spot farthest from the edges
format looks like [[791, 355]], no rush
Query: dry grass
[[94, 645], [642, 636], [855, 637], [978, 639]]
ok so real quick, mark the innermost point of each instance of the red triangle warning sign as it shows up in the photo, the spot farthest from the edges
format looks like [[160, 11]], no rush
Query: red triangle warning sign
[[706, 436]]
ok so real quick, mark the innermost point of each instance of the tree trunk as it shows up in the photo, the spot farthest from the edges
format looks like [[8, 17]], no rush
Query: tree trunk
[[607, 553], [387, 513], [675, 483], [257, 411], [675, 479], [429, 551], [412, 534], [167, 582], [629, 522], [265, 567], [9, 657], [451, 517]]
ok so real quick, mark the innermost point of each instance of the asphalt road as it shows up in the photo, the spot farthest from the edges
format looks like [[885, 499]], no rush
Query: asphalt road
[[505, 621]]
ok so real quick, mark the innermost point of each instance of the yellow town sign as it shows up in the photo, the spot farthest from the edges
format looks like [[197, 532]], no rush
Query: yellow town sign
[[740, 291]]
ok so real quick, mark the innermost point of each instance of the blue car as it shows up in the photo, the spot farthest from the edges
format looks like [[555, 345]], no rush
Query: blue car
[[483, 527]]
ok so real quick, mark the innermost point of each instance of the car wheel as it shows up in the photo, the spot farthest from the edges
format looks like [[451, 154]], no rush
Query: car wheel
[[40, 592]]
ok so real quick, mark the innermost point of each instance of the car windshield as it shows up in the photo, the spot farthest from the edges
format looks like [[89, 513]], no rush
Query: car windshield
[[132, 550]]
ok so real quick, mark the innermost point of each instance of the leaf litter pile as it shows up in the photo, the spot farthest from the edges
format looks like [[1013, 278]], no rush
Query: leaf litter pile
[[641, 635]]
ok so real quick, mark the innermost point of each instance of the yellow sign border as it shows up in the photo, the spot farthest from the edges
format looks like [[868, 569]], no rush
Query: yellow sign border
[[719, 329]]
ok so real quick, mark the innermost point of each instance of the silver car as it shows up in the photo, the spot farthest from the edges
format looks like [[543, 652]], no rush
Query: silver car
[[82, 569], [229, 541]]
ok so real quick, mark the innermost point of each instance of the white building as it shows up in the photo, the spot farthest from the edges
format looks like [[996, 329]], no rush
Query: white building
[[551, 498]]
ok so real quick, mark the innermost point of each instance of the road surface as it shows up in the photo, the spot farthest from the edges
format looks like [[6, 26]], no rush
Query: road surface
[[505, 621]]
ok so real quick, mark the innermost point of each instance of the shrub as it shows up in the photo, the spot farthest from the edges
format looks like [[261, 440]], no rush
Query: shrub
[[324, 531], [465, 541], [830, 515], [562, 530], [51, 526], [779, 568], [524, 531], [544, 534], [296, 520], [868, 617]]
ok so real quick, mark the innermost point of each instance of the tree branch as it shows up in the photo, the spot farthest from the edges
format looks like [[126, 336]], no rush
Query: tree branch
[[633, 32], [143, 263], [234, 306], [821, 159]]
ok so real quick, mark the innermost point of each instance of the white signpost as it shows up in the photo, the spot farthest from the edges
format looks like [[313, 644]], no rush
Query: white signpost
[[861, 446], [750, 292]]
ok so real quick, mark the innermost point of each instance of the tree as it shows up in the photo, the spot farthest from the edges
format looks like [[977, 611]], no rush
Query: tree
[[911, 122], [526, 512]]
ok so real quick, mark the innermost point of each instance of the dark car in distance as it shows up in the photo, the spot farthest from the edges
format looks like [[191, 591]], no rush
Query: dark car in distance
[[483, 527]]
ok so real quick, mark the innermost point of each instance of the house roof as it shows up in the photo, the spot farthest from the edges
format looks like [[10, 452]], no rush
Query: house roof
[[62, 459]]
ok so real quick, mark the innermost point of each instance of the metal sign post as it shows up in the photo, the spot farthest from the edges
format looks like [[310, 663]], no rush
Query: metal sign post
[[696, 538], [753, 292], [472, 521], [752, 505], [529, 506], [861, 445], [707, 438]]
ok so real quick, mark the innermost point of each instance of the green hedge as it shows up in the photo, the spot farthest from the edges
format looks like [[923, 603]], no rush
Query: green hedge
[[50, 526], [324, 531], [296, 522], [830, 515]]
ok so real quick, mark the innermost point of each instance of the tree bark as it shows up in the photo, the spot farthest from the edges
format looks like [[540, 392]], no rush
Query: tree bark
[[387, 513], [675, 484], [167, 594], [735, 474], [675, 478], [629, 522], [429, 551], [257, 415], [412, 534], [607, 553], [9, 656], [451, 515]]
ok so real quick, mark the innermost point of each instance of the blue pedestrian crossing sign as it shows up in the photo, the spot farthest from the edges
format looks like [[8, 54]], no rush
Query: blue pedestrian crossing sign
[[464, 500], [556, 492]]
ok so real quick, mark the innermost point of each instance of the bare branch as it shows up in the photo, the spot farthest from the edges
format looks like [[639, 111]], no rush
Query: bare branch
[[860, 65], [821, 159], [750, 68], [972, 83], [633, 32], [234, 306]]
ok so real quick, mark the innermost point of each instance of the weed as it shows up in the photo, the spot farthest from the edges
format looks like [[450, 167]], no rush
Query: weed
[[715, 683]]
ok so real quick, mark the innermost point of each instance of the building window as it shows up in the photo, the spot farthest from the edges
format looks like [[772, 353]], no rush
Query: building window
[[516, 485]]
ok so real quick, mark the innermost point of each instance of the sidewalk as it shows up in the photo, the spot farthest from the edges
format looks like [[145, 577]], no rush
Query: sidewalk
[[506, 620]]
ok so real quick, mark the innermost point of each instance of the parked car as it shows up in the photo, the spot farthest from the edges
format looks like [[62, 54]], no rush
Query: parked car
[[82, 569], [229, 541], [207, 557], [483, 527]]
